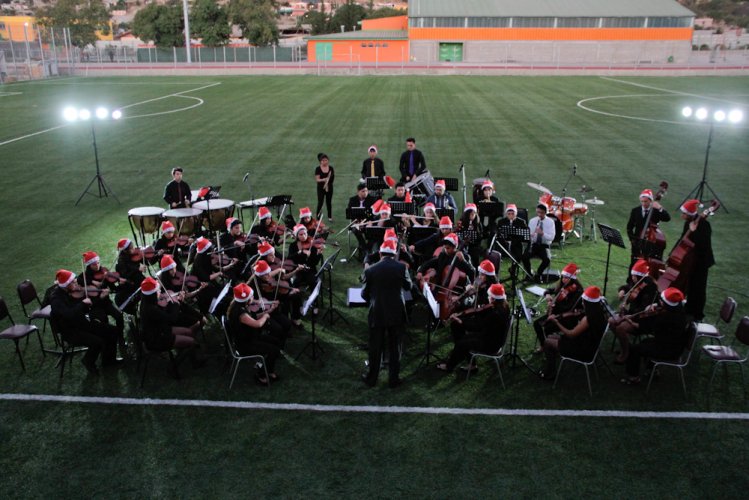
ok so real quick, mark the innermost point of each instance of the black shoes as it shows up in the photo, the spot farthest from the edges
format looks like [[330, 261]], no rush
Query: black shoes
[[367, 381]]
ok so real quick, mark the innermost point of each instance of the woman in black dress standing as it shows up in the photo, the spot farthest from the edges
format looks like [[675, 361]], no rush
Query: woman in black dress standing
[[324, 176]]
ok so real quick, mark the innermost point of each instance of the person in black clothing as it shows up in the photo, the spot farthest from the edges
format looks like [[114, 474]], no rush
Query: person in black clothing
[[188, 315], [426, 247], [449, 254], [469, 221], [167, 244], [373, 166], [412, 162], [514, 245], [486, 195], [580, 341], [488, 334], [102, 307], [177, 192], [324, 177], [70, 319], [245, 328], [700, 233], [636, 223], [266, 228], [670, 335], [361, 200], [202, 268], [384, 284], [400, 193], [132, 272], [563, 303]]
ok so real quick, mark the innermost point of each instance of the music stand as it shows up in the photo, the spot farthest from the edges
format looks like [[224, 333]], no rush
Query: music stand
[[376, 184], [211, 194], [418, 233], [401, 207], [451, 183], [612, 236], [469, 236], [519, 312], [308, 306], [441, 212], [513, 234], [327, 267], [431, 326], [490, 211]]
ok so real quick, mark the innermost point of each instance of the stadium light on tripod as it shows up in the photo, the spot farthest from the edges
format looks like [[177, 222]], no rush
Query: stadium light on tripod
[[73, 114], [715, 116]]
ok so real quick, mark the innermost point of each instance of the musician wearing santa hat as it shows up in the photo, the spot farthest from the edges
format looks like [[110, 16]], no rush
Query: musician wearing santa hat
[[449, 255], [441, 198], [699, 232], [636, 296], [636, 223], [266, 228], [167, 244], [130, 270], [514, 244], [70, 318], [204, 270], [372, 166], [563, 305]]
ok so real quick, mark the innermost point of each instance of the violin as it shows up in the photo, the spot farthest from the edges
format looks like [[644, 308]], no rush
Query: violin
[[261, 305], [148, 253], [560, 297], [168, 297], [275, 228], [105, 275], [270, 286], [318, 243], [179, 241], [470, 311], [90, 292], [189, 283], [222, 260]]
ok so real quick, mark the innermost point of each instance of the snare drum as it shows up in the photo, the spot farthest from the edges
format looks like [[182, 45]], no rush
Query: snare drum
[[185, 220], [547, 199], [580, 209], [146, 219], [217, 211], [568, 204]]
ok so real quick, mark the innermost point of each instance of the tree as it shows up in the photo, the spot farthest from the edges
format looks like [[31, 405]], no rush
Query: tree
[[257, 19], [386, 12], [210, 22], [349, 16], [160, 24], [319, 21], [82, 17]]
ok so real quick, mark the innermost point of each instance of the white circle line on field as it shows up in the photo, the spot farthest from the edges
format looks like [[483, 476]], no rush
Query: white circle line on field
[[199, 103], [423, 410]]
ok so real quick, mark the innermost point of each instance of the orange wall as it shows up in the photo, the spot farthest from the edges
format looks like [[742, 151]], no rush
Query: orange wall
[[385, 23], [526, 34], [352, 51], [15, 23]]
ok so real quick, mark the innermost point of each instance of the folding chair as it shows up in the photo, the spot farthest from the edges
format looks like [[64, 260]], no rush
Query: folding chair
[[711, 330], [144, 355], [725, 355], [586, 364], [681, 362], [497, 356], [67, 350], [15, 332], [236, 357], [26, 295]]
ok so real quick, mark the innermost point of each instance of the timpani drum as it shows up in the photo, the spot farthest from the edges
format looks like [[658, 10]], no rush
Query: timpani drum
[[216, 212], [185, 220], [146, 219]]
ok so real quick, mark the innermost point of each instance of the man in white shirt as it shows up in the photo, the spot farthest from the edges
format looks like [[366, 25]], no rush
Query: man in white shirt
[[542, 234]]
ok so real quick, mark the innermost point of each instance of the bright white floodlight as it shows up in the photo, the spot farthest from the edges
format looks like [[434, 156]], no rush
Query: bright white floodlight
[[84, 114], [686, 112], [735, 116], [102, 113], [701, 114], [719, 115], [70, 114], [116, 114]]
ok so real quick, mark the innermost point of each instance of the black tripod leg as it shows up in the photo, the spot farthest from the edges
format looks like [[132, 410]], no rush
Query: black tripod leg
[[85, 191]]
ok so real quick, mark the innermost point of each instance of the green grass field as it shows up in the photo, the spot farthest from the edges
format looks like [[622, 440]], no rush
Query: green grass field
[[522, 129]]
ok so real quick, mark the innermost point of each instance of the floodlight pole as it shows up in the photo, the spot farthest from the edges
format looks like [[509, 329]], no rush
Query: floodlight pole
[[699, 189], [104, 190], [185, 11]]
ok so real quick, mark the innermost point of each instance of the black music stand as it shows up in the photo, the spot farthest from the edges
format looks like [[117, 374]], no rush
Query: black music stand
[[433, 323], [513, 234], [401, 207], [492, 210], [612, 236], [376, 184], [327, 268], [469, 236], [104, 190], [519, 312], [441, 212], [418, 233], [451, 183], [310, 306]]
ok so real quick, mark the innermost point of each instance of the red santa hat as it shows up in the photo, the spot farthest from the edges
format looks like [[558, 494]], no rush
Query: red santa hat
[[231, 222], [440, 184], [63, 278], [388, 247], [299, 228], [691, 207], [486, 267], [672, 296], [390, 181], [90, 258], [390, 235], [452, 239], [592, 294], [167, 263], [487, 184], [647, 193], [511, 207], [446, 223], [149, 286], [263, 213], [265, 248], [376, 207], [407, 198], [641, 268], [429, 206], [203, 244], [372, 148], [123, 244], [261, 268], [497, 292], [385, 209], [470, 206], [305, 212], [570, 271], [167, 227], [242, 292]]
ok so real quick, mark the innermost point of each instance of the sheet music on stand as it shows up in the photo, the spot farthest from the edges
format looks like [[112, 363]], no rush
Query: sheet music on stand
[[526, 311], [208, 193], [441, 212], [611, 235], [357, 213], [512, 233], [490, 209], [451, 183], [401, 207], [376, 183], [312, 297], [279, 200], [469, 236], [417, 233], [433, 304]]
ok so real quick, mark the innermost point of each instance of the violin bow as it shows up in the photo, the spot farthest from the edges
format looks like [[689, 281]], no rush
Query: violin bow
[[176, 235], [166, 292], [85, 284], [187, 266], [283, 258]]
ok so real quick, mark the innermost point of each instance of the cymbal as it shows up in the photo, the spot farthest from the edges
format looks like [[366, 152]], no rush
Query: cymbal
[[539, 187], [480, 180], [595, 201], [586, 189]]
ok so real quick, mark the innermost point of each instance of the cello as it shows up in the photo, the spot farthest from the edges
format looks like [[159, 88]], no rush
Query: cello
[[681, 259]]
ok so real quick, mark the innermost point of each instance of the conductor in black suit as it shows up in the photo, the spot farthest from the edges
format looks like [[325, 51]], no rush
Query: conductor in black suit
[[384, 284], [412, 163], [637, 217]]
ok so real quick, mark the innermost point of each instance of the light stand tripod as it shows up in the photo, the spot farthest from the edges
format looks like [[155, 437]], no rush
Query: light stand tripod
[[699, 189], [104, 189]]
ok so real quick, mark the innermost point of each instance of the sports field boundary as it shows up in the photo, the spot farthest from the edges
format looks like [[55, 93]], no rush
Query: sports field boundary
[[413, 410]]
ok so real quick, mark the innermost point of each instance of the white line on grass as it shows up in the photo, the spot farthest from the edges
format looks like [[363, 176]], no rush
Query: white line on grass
[[496, 412], [176, 94], [5, 94], [719, 99]]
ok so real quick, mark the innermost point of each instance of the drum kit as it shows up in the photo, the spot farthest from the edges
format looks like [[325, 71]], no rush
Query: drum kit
[[568, 210]]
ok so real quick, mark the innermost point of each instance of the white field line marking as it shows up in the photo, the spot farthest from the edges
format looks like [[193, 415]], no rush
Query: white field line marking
[[177, 94], [247, 405], [5, 94], [674, 91], [200, 102]]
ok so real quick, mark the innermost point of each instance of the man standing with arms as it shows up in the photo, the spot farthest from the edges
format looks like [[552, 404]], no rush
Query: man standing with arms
[[177, 193], [384, 284], [412, 163]]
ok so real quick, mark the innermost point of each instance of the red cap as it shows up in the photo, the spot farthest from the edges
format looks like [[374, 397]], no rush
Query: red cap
[[511, 207], [64, 278], [389, 181], [376, 207], [90, 258], [451, 238], [385, 208], [429, 206], [305, 212], [641, 268], [470, 206], [390, 235], [691, 207], [497, 292], [167, 263], [263, 213], [149, 286], [242, 292], [203, 244], [407, 199], [672, 296], [123, 244], [592, 294], [486, 267], [231, 222], [440, 183], [388, 247], [570, 270], [265, 248], [487, 184], [299, 228], [261, 268], [167, 227]]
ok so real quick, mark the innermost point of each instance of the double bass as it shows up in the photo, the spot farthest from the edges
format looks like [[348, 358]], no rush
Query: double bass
[[652, 241]]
